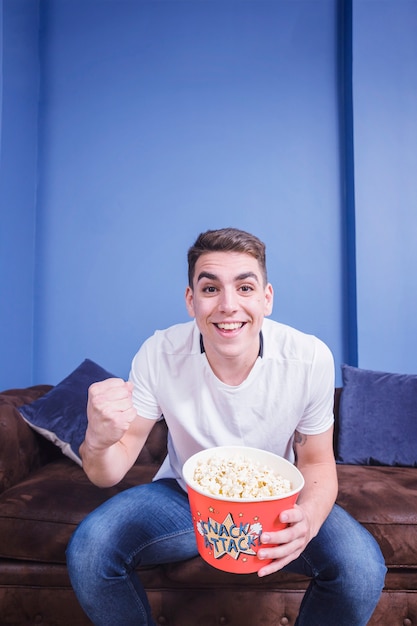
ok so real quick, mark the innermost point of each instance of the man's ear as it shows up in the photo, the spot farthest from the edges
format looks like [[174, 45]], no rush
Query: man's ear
[[189, 301], [269, 299]]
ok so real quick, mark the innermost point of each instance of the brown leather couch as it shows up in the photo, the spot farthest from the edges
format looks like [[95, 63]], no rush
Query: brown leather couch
[[44, 495]]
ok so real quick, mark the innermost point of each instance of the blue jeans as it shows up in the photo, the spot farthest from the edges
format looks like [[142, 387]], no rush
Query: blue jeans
[[151, 524]]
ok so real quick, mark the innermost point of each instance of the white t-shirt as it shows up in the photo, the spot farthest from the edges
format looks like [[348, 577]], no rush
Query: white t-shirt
[[290, 387]]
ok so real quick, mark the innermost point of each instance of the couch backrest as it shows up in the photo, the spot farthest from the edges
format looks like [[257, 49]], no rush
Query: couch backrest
[[337, 394], [155, 449], [22, 450]]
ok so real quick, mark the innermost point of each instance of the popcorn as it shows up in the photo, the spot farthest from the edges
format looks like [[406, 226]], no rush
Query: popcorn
[[239, 477]]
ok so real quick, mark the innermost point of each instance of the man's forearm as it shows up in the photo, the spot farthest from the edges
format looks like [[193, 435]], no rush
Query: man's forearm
[[105, 467], [319, 493]]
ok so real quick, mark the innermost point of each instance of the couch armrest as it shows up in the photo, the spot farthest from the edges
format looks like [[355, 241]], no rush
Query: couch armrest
[[21, 449]]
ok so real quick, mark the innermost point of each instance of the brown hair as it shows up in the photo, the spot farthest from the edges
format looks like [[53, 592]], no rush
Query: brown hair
[[226, 240]]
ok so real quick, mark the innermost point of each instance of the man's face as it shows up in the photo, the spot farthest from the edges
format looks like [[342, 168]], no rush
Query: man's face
[[229, 301]]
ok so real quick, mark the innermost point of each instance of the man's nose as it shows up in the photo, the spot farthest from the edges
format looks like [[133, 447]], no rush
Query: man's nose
[[228, 301]]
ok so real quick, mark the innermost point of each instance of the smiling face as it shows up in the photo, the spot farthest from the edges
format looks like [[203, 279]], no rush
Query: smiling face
[[229, 301]]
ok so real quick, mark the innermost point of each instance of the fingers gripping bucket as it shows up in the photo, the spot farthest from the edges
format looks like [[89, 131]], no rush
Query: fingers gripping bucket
[[228, 530]]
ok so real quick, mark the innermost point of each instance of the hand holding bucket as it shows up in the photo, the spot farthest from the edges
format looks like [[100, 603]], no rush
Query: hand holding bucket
[[227, 529]]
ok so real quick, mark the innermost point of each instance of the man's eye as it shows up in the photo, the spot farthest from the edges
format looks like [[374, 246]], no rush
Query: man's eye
[[209, 289], [246, 288]]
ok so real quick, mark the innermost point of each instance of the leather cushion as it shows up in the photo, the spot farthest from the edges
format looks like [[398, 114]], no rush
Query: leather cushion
[[384, 500], [38, 516]]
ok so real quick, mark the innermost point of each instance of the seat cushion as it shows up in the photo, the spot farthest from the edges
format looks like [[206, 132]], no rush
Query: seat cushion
[[384, 500], [38, 516]]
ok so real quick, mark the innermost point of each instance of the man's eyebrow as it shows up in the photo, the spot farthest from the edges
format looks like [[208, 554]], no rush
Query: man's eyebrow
[[207, 275], [246, 275], [243, 276]]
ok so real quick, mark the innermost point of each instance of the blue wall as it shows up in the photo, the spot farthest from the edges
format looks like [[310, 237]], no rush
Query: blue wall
[[19, 91], [160, 119], [385, 110]]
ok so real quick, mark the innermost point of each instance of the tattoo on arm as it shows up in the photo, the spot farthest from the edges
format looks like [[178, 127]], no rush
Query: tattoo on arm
[[299, 438]]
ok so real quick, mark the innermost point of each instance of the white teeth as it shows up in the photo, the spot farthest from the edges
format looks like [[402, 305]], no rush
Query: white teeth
[[230, 325]]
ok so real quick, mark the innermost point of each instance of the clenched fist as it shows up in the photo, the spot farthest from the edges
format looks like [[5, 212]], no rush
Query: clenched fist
[[110, 412]]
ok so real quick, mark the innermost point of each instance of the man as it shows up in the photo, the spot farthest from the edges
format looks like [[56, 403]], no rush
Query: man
[[228, 377]]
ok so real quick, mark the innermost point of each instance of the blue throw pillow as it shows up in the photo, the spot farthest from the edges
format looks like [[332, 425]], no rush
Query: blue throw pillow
[[61, 414], [377, 418]]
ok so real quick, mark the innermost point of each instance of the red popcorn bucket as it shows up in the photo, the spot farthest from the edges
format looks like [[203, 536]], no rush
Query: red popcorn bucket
[[228, 529]]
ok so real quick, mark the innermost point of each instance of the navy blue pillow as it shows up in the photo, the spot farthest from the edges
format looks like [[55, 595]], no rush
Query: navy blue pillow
[[61, 414], [377, 418]]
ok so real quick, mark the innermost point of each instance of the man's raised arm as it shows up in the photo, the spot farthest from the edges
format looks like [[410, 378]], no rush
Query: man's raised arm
[[115, 434]]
